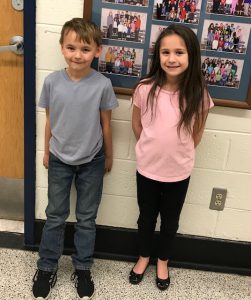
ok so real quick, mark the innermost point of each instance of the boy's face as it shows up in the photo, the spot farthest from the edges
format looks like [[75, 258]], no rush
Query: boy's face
[[78, 54]]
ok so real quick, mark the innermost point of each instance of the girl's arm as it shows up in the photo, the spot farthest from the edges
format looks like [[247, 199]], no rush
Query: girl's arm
[[47, 136], [136, 121], [105, 117], [198, 134], [197, 129]]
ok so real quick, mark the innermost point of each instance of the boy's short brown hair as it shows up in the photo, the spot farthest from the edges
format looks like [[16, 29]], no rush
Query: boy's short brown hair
[[85, 30]]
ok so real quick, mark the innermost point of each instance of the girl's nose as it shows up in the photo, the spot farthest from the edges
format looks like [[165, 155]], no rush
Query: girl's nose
[[171, 57]]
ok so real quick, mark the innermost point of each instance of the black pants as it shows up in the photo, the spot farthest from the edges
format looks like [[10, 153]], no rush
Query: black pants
[[166, 199]]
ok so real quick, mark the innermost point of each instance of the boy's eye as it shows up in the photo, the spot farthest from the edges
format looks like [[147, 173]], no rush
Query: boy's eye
[[85, 49], [70, 48]]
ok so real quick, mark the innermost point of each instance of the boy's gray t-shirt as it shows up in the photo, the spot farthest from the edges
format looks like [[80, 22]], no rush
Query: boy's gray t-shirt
[[74, 108]]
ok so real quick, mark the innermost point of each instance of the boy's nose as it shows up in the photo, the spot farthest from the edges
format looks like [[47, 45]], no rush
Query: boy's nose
[[77, 54]]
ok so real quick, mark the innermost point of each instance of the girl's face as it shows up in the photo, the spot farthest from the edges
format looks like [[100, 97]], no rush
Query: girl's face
[[173, 56]]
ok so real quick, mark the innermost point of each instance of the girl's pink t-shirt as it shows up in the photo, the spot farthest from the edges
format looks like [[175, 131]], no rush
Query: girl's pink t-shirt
[[161, 153]]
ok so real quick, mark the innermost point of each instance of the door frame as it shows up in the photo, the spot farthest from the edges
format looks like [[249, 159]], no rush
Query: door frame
[[29, 24]]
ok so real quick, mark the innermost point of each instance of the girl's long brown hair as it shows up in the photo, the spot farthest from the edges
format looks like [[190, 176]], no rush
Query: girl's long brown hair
[[192, 88]]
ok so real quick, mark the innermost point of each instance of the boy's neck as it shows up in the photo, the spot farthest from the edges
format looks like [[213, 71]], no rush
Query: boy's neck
[[75, 75]]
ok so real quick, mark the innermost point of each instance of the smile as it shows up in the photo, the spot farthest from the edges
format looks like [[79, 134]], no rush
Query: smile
[[172, 67]]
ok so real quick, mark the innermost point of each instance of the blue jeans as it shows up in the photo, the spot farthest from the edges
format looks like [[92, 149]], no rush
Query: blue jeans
[[89, 184]]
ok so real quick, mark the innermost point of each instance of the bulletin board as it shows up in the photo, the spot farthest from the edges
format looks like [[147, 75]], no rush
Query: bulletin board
[[130, 29]]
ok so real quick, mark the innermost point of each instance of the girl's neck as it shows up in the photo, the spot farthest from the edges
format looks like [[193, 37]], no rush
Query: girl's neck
[[170, 86]]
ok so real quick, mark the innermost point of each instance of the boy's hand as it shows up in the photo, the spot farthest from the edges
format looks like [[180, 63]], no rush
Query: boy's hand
[[46, 161], [108, 164]]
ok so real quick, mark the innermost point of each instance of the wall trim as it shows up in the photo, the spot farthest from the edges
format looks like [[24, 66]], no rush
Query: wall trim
[[11, 240], [29, 24], [191, 252]]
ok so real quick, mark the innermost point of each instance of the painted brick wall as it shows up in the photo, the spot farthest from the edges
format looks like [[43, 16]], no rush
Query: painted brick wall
[[223, 158]]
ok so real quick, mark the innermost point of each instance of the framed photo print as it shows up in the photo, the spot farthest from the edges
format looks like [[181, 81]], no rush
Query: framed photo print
[[130, 28]]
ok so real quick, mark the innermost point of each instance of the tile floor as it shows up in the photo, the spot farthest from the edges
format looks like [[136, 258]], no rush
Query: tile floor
[[17, 268]]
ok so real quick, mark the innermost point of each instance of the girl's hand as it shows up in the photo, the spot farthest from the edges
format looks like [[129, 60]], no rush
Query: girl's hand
[[46, 161], [108, 164]]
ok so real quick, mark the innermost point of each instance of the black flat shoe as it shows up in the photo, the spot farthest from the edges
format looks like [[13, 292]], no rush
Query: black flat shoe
[[162, 284], [135, 278]]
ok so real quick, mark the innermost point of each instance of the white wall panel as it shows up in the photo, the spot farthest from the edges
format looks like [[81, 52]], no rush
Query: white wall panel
[[223, 158]]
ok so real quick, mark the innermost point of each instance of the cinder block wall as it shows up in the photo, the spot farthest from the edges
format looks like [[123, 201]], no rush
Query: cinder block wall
[[223, 158]]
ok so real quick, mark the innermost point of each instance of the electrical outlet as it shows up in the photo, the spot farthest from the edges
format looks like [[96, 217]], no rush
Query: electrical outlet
[[218, 199]]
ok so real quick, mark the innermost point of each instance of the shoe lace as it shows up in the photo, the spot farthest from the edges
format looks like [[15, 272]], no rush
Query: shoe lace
[[44, 276], [82, 276]]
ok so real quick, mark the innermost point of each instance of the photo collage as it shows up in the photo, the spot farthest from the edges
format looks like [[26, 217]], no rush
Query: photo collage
[[177, 11], [226, 31], [130, 29], [126, 27]]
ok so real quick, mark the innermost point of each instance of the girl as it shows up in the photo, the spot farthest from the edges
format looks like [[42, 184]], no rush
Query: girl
[[233, 7], [109, 60], [109, 25], [218, 77], [117, 64], [210, 38], [172, 14], [240, 8], [220, 44], [170, 108]]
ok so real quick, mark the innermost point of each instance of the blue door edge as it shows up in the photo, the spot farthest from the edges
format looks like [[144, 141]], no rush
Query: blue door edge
[[29, 25]]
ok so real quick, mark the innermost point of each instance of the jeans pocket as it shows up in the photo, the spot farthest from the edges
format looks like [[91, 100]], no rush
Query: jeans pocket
[[53, 158]]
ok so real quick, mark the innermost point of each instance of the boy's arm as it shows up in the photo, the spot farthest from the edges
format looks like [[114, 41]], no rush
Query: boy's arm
[[105, 117], [47, 136], [136, 122]]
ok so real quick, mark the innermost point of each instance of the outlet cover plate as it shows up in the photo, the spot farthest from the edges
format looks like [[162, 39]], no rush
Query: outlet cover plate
[[218, 199]]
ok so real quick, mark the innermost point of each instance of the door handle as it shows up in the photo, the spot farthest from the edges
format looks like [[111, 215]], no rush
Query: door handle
[[16, 45]]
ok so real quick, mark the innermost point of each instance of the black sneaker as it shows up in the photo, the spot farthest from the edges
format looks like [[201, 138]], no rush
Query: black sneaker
[[83, 283], [43, 282]]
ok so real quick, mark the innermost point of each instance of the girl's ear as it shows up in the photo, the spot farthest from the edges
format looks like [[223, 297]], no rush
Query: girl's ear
[[98, 51]]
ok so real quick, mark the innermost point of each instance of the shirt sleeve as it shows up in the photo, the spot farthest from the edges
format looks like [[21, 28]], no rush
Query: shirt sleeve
[[208, 102], [45, 95], [211, 103], [109, 100], [137, 96]]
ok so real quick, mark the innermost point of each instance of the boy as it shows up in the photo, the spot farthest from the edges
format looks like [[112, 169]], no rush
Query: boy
[[78, 142]]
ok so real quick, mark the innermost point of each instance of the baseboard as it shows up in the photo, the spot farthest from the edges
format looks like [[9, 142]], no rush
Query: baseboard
[[12, 240], [191, 252]]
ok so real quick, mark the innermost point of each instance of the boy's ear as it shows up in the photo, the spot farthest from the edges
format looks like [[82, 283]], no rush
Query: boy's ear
[[98, 51]]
